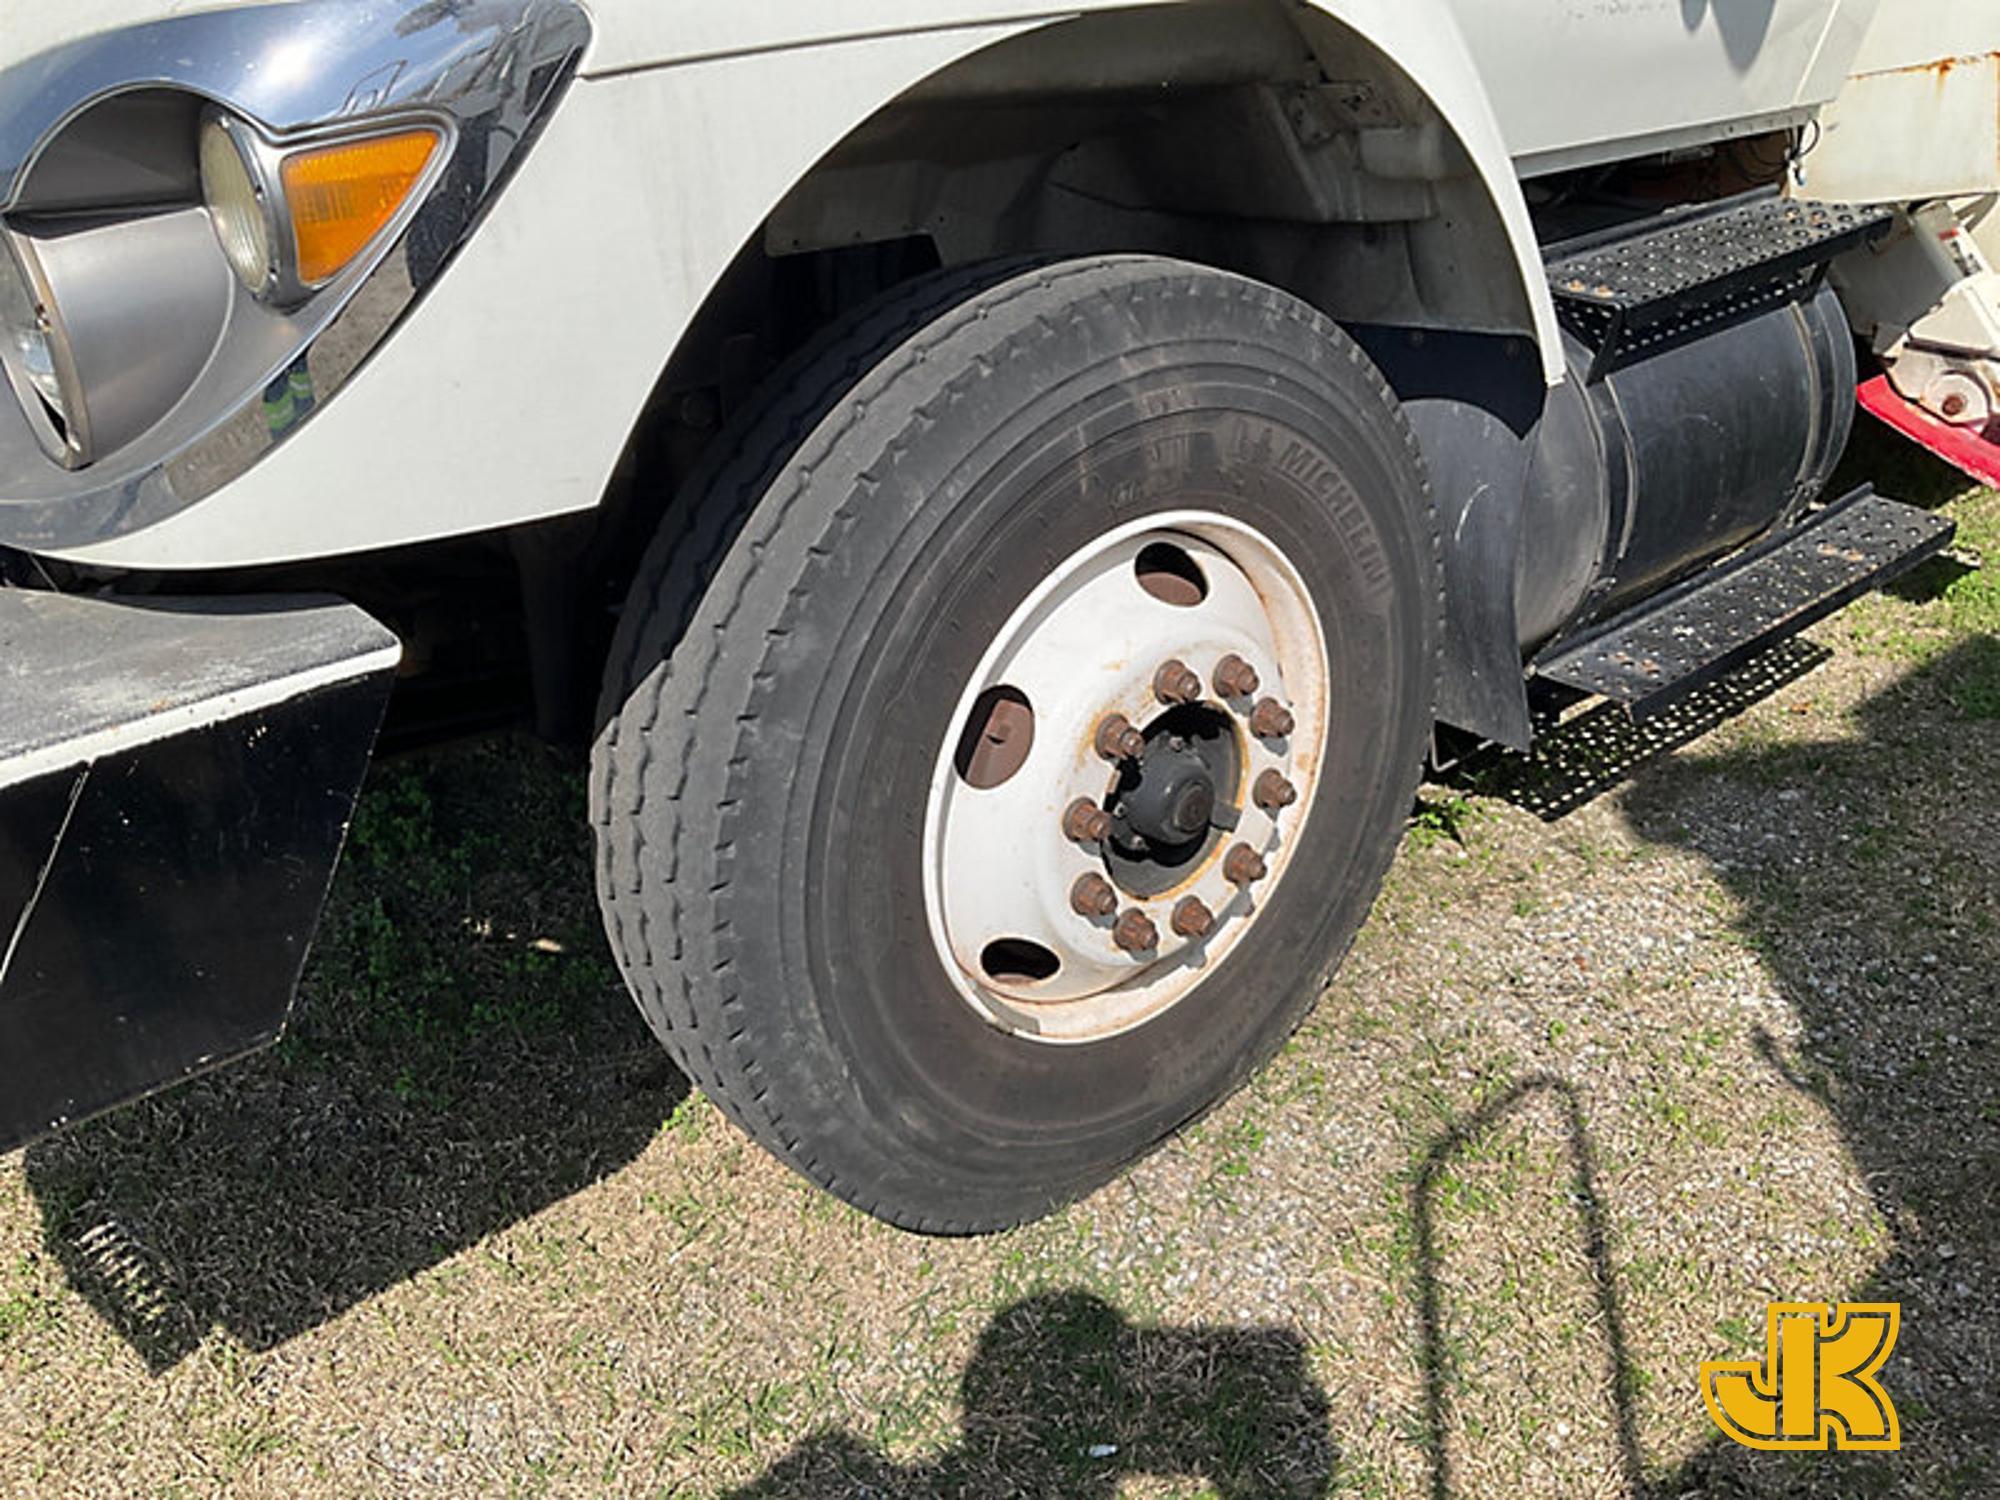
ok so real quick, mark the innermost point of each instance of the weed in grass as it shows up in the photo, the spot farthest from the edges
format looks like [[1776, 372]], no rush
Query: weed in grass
[[1439, 820]]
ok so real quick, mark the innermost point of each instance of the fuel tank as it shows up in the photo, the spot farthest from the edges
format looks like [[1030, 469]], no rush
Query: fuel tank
[[1642, 475]]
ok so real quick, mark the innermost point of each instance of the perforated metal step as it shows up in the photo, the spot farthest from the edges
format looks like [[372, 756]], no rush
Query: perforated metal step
[[1628, 294], [1712, 624]]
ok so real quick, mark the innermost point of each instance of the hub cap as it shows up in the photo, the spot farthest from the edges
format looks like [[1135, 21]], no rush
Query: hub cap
[[1108, 740]]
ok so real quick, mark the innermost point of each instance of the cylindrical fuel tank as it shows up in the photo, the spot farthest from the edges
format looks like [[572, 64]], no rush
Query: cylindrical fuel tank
[[1643, 475]]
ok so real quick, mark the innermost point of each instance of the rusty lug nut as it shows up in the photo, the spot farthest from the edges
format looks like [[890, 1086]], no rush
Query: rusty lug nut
[[1192, 919], [1244, 866], [1086, 822], [1273, 791], [1093, 896], [1177, 682], [1235, 678], [1117, 740], [1271, 720], [1135, 932]]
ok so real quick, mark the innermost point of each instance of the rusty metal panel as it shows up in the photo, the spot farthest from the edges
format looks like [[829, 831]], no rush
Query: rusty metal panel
[[1928, 131], [1921, 116]]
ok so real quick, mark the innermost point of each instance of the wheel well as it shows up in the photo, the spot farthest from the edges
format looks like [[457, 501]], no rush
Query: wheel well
[[1247, 135]]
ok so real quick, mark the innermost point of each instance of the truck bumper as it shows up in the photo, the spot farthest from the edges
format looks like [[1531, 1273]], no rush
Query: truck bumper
[[176, 781]]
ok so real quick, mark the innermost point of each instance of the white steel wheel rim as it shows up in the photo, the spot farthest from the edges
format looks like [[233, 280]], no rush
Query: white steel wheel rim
[[1087, 644]]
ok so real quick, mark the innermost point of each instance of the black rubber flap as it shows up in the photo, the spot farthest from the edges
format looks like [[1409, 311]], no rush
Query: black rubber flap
[[176, 781]]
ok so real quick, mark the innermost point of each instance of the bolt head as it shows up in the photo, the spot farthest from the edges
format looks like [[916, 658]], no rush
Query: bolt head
[[1176, 682], [1271, 720], [1086, 823], [1235, 678], [1117, 740], [1093, 896], [1244, 866], [1135, 932], [1192, 918], [1274, 791]]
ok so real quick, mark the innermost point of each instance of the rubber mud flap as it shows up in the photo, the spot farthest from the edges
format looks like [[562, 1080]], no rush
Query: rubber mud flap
[[176, 782]]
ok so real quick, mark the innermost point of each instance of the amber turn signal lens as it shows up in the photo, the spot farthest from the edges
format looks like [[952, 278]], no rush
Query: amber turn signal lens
[[341, 197]]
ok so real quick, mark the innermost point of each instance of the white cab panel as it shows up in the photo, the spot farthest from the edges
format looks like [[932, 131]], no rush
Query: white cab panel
[[1569, 77]]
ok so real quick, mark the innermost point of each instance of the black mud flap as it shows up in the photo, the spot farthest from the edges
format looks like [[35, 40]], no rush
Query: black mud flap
[[176, 781]]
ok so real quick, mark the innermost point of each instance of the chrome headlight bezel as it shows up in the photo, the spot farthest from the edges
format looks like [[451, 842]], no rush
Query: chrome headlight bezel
[[80, 144]]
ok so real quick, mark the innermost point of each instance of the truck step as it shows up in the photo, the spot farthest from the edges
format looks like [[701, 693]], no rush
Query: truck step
[[1688, 636], [1629, 293]]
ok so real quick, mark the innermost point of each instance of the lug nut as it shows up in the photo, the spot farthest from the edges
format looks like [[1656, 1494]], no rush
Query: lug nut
[[1271, 720], [1093, 896], [1135, 932], [1235, 678], [1192, 919], [1086, 822], [1177, 682], [1273, 791], [1244, 866], [1117, 740]]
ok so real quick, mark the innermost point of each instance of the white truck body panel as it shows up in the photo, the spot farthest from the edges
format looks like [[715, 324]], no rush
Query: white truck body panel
[[509, 393], [1568, 76]]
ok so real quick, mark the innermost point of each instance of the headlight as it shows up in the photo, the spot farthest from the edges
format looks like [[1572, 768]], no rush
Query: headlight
[[238, 206], [291, 219], [43, 378], [108, 320], [107, 323]]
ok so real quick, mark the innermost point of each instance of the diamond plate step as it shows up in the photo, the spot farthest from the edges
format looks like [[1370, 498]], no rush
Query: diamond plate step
[[1627, 294], [1690, 635]]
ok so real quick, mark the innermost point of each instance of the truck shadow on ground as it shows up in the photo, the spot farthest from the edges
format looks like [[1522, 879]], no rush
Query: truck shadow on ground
[[1064, 1397], [464, 1056], [1866, 871]]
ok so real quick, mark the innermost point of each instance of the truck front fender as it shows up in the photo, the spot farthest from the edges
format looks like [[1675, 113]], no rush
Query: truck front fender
[[509, 393]]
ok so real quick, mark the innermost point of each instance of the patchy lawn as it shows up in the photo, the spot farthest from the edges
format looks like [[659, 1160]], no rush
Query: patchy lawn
[[1645, 1034]]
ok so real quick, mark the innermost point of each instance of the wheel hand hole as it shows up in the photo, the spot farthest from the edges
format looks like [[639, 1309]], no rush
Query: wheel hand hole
[[1170, 575], [1018, 961], [999, 733]]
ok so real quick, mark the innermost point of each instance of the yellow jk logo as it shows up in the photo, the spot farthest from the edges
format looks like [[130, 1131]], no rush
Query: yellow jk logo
[[1816, 1387]]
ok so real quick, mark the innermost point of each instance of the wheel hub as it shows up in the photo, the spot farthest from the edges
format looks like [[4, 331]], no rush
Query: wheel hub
[[1067, 904], [1171, 803]]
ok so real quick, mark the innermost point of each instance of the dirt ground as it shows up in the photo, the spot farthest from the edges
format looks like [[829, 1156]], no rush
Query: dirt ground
[[1644, 1034]]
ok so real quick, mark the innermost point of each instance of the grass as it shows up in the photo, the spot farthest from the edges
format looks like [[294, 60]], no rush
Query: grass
[[1587, 1095]]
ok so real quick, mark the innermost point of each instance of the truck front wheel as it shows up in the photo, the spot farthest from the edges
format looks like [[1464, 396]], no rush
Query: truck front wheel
[[1010, 740]]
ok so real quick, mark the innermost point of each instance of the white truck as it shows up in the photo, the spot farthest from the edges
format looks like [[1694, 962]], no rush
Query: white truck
[[1012, 493]]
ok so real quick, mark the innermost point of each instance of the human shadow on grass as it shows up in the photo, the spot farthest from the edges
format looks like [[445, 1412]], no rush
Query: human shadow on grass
[[1064, 1398], [464, 1056], [1434, 1346], [1866, 870]]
